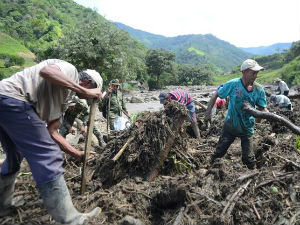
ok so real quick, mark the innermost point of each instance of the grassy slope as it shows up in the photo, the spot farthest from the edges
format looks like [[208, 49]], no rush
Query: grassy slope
[[10, 46], [264, 77]]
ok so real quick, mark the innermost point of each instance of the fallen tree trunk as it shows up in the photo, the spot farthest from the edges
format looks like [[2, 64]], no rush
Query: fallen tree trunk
[[271, 117], [169, 143]]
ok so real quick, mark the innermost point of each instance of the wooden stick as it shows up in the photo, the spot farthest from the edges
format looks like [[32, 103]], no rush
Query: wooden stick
[[271, 117], [179, 217], [255, 210], [88, 145], [231, 203], [169, 143], [287, 160], [117, 156]]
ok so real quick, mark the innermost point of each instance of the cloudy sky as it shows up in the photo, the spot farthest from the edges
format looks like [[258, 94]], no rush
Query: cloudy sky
[[242, 23]]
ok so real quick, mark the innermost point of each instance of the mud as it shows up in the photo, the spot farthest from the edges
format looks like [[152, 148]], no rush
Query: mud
[[187, 186]]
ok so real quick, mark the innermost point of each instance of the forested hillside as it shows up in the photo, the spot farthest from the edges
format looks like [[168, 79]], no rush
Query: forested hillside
[[193, 49], [41, 29], [268, 50], [284, 65], [66, 30]]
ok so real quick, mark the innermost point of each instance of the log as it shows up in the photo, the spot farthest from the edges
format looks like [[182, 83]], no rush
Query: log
[[118, 155], [271, 117], [169, 143]]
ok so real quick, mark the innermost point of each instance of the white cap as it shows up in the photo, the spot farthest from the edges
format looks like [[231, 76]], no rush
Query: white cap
[[251, 64], [95, 76]]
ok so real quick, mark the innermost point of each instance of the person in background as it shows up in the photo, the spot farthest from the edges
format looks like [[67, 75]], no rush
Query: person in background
[[113, 103], [32, 103], [185, 98], [220, 103], [282, 101], [78, 111], [282, 89], [237, 122]]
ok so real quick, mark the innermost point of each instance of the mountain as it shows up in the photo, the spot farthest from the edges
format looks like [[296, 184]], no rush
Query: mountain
[[193, 49], [268, 50]]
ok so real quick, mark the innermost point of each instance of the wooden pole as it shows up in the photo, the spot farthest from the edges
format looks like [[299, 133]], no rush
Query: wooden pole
[[117, 156], [165, 151], [87, 147]]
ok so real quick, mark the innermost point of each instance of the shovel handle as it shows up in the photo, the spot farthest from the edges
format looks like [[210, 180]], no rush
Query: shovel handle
[[88, 142]]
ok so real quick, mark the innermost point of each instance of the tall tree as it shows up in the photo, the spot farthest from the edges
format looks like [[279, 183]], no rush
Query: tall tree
[[158, 62]]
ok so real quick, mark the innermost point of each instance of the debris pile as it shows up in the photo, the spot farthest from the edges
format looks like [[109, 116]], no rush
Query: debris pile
[[187, 190]]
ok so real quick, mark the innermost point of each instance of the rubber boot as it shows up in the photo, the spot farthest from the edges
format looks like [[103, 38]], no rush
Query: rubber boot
[[101, 141], [7, 187], [58, 202], [196, 129]]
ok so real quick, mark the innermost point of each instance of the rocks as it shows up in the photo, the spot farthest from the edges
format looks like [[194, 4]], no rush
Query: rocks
[[136, 100]]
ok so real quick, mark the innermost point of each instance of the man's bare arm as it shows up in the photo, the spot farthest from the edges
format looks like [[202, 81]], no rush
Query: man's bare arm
[[61, 141], [54, 75], [211, 104]]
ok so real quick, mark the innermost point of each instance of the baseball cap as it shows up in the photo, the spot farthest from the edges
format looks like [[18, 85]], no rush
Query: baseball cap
[[272, 97], [251, 64], [95, 76], [115, 82], [277, 80], [162, 97]]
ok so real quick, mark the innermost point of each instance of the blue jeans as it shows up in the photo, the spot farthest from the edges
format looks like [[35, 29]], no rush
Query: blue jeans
[[24, 134], [192, 112]]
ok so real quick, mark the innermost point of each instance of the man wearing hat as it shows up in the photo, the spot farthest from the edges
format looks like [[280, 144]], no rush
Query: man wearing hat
[[282, 101], [185, 98], [238, 123], [78, 111], [282, 89], [113, 103], [31, 104]]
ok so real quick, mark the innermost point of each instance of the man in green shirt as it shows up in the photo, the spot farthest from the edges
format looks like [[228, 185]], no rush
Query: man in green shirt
[[113, 104]]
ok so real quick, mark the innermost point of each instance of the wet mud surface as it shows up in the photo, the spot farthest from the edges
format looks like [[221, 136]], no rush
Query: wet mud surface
[[187, 189]]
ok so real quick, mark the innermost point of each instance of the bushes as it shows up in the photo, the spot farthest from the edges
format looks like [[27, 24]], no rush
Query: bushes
[[12, 60]]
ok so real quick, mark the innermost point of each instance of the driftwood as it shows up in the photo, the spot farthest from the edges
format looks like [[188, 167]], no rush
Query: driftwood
[[271, 117], [117, 156], [169, 143], [179, 217], [287, 160], [281, 177], [234, 198], [246, 176]]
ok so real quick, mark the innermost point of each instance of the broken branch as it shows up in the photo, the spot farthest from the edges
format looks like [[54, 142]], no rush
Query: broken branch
[[271, 117]]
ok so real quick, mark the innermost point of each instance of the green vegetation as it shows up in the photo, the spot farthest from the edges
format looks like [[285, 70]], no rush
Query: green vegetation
[[66, 30], [13, 56], [285, 65], [197, 51]]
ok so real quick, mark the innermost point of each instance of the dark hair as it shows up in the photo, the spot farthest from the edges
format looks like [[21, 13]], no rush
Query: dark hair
[[86, 77]]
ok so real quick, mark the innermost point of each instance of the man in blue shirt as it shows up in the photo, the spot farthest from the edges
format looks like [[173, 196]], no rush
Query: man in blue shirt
[[239, 123]]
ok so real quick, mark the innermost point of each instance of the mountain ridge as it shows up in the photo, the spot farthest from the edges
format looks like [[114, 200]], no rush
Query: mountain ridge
[[217, 52]]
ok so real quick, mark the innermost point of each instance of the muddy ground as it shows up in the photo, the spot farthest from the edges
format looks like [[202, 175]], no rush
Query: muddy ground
[[187, 189]]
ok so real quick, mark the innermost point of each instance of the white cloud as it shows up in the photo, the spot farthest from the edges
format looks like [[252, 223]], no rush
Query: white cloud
[[242, 23]]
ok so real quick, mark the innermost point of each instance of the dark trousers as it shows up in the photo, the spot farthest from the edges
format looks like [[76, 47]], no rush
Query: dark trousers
[[286, 93], [227, 137], [24, 134]]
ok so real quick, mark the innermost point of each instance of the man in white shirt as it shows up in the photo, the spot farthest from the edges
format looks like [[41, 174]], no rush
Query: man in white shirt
[[282, 89], [31, 104], [282, 101]]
